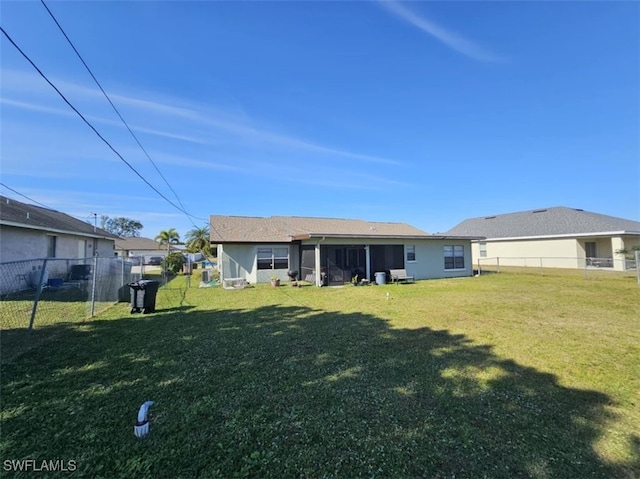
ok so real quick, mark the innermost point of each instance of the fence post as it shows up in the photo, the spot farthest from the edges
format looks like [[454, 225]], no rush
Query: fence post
[[541, 268], [498, 263], [585, 268], [638, 265], [37, 298], [93, 285]]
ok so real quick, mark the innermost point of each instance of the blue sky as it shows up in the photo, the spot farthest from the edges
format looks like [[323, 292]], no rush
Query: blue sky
[[419, 112]]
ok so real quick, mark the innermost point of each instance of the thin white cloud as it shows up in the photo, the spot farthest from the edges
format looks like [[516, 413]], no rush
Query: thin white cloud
[[452, 40], [36, 107], [15, 81]]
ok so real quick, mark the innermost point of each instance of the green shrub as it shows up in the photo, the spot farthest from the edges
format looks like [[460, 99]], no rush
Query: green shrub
[[174, 262]]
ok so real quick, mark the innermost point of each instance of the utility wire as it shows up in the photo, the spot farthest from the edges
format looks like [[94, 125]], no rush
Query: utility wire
[[25, 196], [42, 204], [90, 125], [118, 113]]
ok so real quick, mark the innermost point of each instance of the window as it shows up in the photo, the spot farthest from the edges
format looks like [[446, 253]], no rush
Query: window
[[51, 246], [454, 257], [483, 249], [273, 258], [411, 252], [281, 258], [590, 249]]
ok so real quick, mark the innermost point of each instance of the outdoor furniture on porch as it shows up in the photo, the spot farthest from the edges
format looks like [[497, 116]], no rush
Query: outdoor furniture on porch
[[400, 275], [79, 272]]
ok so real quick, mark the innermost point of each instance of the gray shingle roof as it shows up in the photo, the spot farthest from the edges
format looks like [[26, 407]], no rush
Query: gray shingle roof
[[246, 229], [15, 213], [556, 221]]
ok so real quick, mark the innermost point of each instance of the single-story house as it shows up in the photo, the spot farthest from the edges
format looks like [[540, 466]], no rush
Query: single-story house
[[30, 234], [142, 247], [559, 237], [30, 231], [327, 251]]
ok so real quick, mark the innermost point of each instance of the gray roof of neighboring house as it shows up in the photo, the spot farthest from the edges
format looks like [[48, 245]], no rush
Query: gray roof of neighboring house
[[556, 221], [23, 215], [137, 243], [279, 229]]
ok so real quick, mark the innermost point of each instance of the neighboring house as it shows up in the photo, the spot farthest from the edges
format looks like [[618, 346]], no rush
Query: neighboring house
[[562, 237], [29, 232], [137, 247], [332, 251]]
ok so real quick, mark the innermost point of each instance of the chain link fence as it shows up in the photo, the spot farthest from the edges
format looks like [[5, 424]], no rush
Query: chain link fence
[[40, 292], [41, 296], [588, 267]]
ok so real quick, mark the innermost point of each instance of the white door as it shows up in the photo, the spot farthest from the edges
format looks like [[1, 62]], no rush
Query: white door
[[82, 248]]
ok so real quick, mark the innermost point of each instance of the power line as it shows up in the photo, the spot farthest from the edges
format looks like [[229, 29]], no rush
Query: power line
[[25, 196], [89, 124], [118, 113], [42, 204]]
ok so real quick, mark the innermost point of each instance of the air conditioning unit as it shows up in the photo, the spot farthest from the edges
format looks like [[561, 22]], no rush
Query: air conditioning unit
[[206, 276]]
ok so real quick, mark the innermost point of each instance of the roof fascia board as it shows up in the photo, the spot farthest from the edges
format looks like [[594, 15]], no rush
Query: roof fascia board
[[53, 230], [578, 235]]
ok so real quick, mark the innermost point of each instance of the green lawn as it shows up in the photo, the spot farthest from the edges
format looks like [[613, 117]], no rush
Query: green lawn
[[501, 376]]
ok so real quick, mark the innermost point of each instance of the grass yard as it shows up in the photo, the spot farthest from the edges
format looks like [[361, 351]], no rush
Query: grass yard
[[501, 376]]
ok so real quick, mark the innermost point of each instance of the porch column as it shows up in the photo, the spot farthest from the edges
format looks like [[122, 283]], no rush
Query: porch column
[[367, 261], [617, 243], [318, 265]]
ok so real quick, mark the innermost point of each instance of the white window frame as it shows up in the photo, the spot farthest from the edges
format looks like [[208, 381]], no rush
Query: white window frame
[[454, 250], [271, 250], [410, 250], [483, 249]]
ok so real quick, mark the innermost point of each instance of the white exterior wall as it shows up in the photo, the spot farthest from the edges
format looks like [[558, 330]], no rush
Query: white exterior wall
[[22, 243], [241, 261], [429, 263], [237, 261], [17, 244]]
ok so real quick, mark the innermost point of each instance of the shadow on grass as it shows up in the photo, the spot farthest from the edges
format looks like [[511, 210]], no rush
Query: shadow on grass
[[293, 392]]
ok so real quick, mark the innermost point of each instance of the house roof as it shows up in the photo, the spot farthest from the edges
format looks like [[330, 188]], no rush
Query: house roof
[[285, 229], [129, 244], [243, 229], [23, 215], [545, 222]]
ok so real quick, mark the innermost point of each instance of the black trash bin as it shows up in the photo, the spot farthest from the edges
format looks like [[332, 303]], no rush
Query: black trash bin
[[143, 296]]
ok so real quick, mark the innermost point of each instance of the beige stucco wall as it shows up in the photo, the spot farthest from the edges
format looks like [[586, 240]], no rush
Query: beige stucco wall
[[514, 252], [553, 252]]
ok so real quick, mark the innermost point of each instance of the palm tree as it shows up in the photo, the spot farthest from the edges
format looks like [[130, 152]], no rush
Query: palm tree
[[198, 241], [167, 237]]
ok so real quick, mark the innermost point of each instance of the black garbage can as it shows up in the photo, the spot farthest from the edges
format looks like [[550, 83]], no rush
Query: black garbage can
[[143, 296]]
